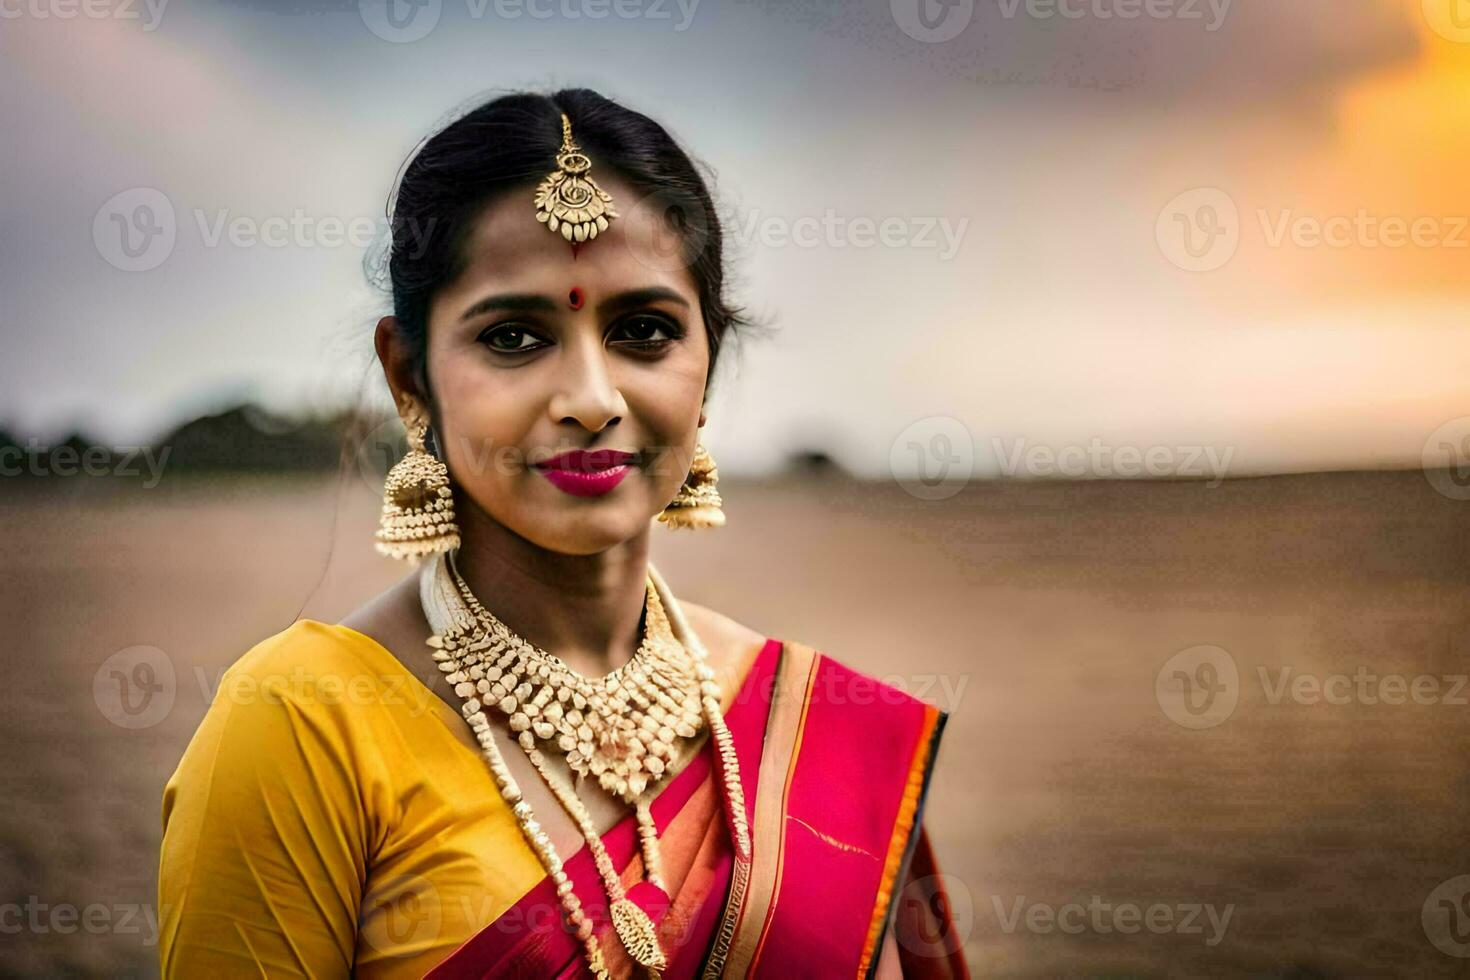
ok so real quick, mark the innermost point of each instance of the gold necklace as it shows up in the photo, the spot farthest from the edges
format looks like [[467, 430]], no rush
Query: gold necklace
[[624, 728]]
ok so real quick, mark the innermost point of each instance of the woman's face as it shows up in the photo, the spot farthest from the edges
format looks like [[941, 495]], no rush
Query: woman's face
[[534, 351]]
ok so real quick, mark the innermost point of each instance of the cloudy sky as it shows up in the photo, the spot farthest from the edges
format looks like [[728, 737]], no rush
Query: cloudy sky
[[1156, 224]]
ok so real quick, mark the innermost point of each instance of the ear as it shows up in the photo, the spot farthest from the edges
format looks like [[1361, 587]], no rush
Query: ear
[[397, 362]]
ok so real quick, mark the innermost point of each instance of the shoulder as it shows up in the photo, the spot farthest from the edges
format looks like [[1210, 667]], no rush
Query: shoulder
[[312, 682], [730, 643], [274, 730], [302, 660]]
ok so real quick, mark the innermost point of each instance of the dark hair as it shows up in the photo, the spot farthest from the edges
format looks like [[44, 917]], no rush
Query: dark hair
[[509, 144]]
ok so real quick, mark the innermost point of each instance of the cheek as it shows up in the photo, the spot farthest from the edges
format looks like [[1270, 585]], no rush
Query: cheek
[[481, 422]]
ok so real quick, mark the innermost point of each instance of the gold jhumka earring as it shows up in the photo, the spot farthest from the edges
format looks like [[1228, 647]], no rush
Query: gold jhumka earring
[[418, 503], [698, 503]]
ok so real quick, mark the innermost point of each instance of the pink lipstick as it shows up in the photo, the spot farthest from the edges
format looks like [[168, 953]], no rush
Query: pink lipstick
[[584, 473]]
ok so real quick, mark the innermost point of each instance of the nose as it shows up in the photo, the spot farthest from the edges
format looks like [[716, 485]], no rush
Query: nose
[[585, 390]]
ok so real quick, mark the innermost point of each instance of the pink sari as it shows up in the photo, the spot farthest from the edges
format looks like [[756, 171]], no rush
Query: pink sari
[[835, 766]]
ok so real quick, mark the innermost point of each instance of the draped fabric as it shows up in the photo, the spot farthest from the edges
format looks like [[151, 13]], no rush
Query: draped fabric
[[363, 836]]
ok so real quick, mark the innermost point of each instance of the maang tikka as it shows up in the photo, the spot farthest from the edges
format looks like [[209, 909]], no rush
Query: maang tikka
[[698, 503], [568, 200], [418, 502]]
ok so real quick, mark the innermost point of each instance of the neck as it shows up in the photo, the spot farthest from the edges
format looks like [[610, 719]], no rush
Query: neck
[[585, 609]]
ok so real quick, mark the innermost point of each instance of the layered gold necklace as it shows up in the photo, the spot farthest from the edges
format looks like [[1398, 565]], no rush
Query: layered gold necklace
[[626, 729]]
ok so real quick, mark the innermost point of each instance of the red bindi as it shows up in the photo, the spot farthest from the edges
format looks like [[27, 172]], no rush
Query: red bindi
[[574, 298]]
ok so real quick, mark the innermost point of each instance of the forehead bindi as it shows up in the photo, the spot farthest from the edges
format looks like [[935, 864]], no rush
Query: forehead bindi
[[508, 249]]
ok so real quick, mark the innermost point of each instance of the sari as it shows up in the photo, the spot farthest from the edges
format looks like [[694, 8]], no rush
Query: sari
[[835, 767]]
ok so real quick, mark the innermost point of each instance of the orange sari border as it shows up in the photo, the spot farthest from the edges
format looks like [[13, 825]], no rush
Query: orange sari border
[[901, 847], [838, 814]]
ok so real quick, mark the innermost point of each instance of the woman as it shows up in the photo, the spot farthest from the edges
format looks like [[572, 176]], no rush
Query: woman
[[529, 758]]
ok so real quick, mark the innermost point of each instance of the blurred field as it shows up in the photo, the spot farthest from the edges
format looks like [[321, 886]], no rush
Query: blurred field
[[1038, 614]]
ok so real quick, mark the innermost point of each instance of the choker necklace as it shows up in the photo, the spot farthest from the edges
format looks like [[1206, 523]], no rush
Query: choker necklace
[[625, 729]]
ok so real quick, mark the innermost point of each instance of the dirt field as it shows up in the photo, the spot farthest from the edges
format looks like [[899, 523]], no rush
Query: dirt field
[[1039, 615]]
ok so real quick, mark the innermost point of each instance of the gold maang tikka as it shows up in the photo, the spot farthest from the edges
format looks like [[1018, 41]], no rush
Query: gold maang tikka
[[568, 200]]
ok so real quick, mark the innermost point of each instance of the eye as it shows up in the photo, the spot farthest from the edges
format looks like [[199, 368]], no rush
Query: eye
[[648, 332], [508, 339]]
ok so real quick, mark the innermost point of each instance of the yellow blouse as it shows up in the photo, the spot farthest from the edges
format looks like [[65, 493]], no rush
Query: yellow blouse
[[331, 816]]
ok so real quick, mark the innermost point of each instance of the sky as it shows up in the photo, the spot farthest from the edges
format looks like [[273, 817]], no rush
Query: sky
[[1200, 229]]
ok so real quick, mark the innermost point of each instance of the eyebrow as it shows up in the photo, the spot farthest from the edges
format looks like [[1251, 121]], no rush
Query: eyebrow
[[537, 303]]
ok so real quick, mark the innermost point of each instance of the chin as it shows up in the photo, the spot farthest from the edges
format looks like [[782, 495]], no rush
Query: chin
[[589, 533]]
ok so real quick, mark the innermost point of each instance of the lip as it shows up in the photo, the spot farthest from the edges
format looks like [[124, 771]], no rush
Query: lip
[[588, 460], [584, 473]]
